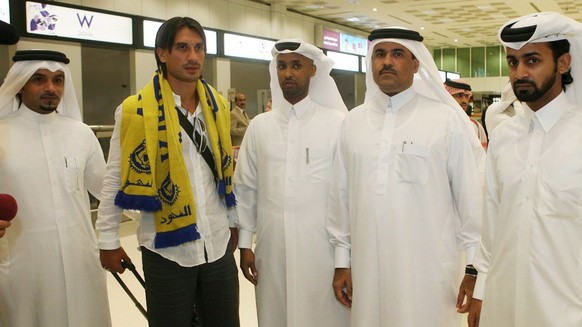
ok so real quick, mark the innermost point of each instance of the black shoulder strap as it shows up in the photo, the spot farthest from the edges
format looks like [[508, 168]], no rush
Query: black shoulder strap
[[196, 138]]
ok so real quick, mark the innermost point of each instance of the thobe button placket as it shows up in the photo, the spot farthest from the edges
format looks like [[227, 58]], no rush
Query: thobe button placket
[[291, 163], [385, 149]]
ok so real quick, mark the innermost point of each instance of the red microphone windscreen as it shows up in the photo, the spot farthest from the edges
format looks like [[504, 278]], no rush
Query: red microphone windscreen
[[8, 207]]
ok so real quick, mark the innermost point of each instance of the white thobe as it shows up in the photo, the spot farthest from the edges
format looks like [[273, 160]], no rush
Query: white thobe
[[530, 259], [281, 182], [50, 273], [405, 199]]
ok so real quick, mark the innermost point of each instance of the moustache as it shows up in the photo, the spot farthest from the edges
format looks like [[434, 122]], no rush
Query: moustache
[[388, 69], [49, 95]]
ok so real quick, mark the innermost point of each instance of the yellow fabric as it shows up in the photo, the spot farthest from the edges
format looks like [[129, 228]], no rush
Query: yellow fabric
[[150, 128]]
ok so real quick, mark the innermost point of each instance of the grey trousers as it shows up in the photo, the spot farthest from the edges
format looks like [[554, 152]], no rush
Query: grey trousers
[[172, 291]]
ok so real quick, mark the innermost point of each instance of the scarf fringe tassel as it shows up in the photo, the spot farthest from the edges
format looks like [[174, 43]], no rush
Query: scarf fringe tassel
[[138, 202], [176, 237], [230, 200]]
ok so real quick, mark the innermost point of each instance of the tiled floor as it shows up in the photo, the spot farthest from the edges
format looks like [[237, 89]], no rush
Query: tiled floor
[[125, 314], [123, 311]]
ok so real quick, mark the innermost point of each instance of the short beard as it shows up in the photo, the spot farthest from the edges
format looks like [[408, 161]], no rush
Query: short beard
[[537, 93]]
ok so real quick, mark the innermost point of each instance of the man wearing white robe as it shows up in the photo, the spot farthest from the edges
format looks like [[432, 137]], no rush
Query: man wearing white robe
[[405, 198], [529, 262], [282, 181], [50, 273], [8, 35]]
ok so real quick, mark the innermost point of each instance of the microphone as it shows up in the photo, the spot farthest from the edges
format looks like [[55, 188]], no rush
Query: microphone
[[8, 33], [8, 207]]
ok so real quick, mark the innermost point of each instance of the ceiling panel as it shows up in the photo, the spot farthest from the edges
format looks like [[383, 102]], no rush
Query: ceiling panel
[[452, 23]]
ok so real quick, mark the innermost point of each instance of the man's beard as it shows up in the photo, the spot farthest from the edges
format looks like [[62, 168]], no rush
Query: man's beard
[[537, 93]]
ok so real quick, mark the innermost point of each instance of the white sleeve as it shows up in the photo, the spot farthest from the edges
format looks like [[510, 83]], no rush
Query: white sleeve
[[245, 188], [338, 218], [465, 178], [109, 215], [490, 210], [94, 168]]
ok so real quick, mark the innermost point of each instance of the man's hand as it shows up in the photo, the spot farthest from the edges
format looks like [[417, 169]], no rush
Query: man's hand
[[342, 286], [233, 238], [111, 259], [465, 291], [3, 225], [247, 265], [475, 313]]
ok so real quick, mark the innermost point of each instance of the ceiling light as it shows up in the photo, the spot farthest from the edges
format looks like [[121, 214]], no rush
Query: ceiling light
[[422, 27], [353, 19], [374, 9], [313, 7]]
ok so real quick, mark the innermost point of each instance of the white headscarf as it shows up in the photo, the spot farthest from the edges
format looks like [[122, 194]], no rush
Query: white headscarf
[[322, 87], [498, 111], [548, 27], [21, 72], [427, 82]]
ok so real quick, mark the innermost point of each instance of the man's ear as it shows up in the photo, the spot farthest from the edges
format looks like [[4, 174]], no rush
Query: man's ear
[[313, 70], [416, 65], [564, 63], [161, 54]]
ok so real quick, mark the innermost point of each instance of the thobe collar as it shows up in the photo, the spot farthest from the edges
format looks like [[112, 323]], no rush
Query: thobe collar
[[395, 102], [34, 116], [548, 115], [300, 107]]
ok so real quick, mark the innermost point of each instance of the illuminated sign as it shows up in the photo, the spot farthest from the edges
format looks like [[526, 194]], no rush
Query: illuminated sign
[[58, 21], [5, 10], [344, 61], [150, 29], [344, 42], [247, 47]]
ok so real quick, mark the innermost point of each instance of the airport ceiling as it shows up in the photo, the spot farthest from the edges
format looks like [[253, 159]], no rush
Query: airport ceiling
[[444, 23]]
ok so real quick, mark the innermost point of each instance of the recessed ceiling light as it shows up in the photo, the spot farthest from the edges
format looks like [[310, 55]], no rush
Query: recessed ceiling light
[[313, 7], [422, 27], [353, 19], [456, 40], [374, 9]]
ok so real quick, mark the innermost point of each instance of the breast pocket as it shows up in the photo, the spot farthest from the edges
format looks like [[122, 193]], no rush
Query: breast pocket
[[74, 169], [560, 195], [412, 164], [317, 165]]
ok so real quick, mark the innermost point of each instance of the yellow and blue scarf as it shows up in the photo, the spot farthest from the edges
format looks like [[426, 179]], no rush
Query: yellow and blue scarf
[[153, 172]]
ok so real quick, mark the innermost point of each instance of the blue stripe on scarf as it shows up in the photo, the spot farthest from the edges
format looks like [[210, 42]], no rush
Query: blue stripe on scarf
[[230, 200], [176, 237], [214, 105], [221, 188], [138, 202]]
